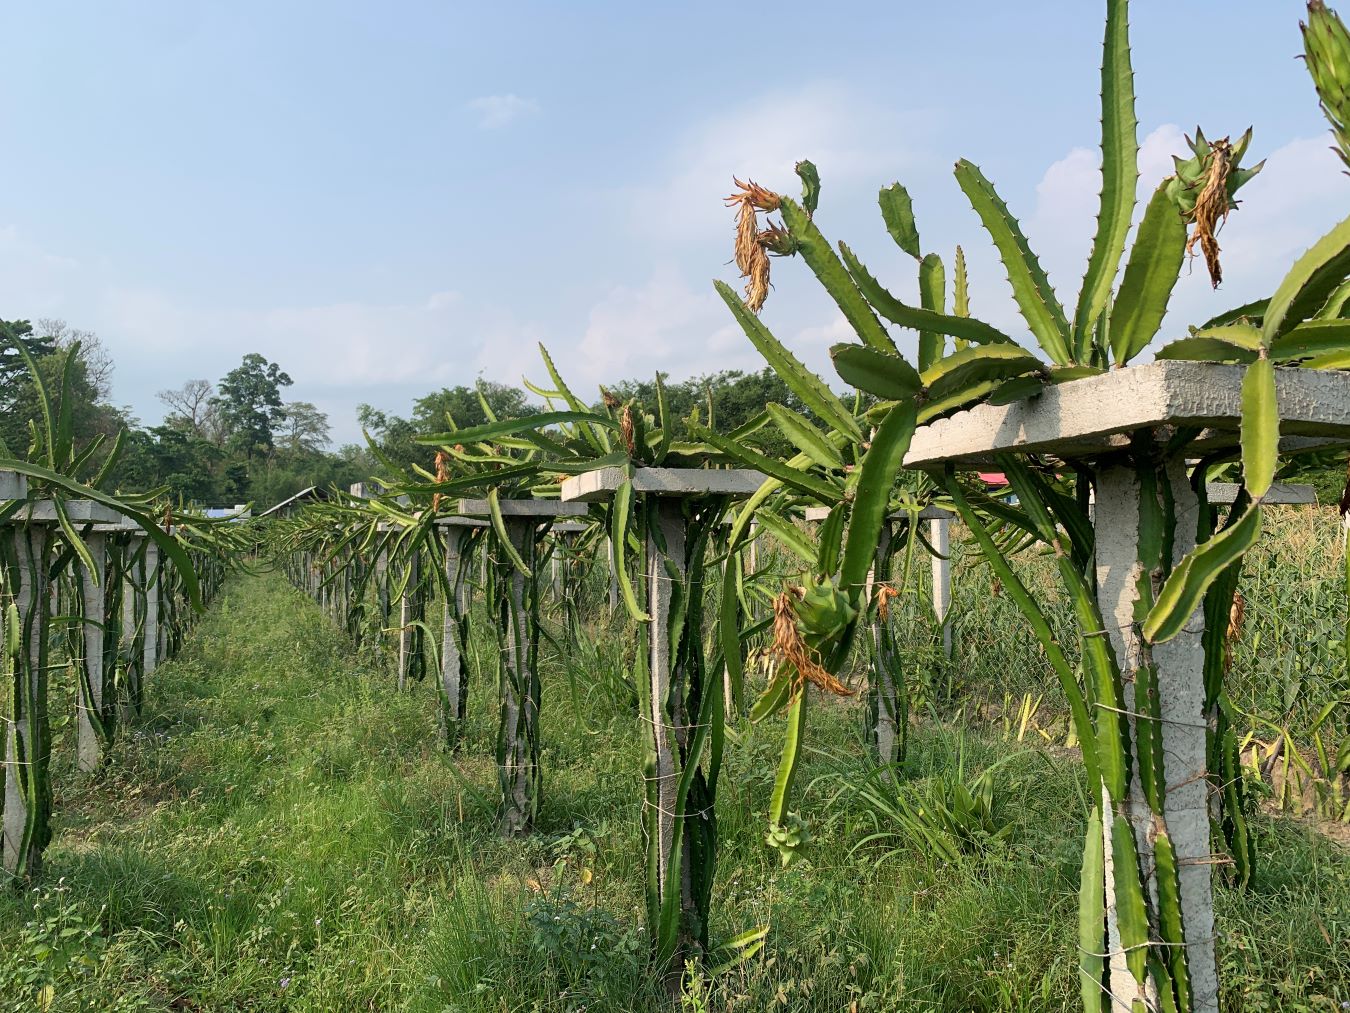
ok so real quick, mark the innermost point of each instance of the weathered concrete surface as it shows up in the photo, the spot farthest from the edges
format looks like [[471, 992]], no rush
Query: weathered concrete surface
[[929, 513], [453, 685], [886, 730], [1089, 416], [597, 486], [671, 729], [80, 511], [152, 593], [939, 537], [89, 701], [1180, 669], [23, 824], [406, 617], [1279, 494], [13, 485], [522, 508], [518, 736], [132, 604]]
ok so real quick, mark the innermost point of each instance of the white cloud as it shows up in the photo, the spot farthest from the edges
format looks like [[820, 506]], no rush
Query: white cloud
[[662, 324], [664, 317], [824, 335], [1296, 198], [851, 139], [497, 111], [33, 280]]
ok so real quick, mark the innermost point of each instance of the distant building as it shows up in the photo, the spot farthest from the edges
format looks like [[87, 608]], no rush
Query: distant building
[[238, 512], [311, 495]]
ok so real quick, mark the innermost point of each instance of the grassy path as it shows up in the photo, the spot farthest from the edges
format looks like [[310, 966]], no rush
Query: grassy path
[[283, 833]]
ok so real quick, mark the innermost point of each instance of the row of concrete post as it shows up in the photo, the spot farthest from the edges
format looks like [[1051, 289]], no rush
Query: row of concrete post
[[122, 603]]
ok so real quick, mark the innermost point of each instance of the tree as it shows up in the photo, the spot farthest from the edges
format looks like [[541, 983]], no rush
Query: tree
[[303, 429], [16, 334], [174, 458], [735, 397], [249, 400], [98, 361], [431, 414], [191, 407], [393, 437], [66, 375]]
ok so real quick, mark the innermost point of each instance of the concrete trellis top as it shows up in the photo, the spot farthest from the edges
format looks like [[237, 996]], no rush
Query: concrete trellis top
[[570, 528], [597, 486], [79, 511], [119, 528], [522, 508], [459, 522], [1090, 416], [13, 485], [928, 513]]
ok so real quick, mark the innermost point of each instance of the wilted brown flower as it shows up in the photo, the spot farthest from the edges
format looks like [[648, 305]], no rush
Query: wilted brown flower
[[752, 193], [757, 288], [777, 240], [1237, 615], [1211, 209], [750, 256], [442, 475], [884, 595], [789, 646], [626, 431]]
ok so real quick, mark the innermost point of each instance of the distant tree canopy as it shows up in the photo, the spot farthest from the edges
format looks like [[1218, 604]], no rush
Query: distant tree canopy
[[219, 444], [727, 399], [734, 397], [463, 406], [16, 335], [238, 440], [89, 376], [249, 401]]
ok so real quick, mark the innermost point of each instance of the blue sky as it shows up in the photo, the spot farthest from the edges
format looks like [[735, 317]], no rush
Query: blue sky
[[388, 198]]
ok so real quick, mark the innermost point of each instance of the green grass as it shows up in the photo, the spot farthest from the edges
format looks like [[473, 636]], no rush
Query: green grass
[[282, 832]]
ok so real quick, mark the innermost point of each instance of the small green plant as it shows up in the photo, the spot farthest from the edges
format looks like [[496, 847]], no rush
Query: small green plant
[[580, 941], [947, 817], [58, 947]]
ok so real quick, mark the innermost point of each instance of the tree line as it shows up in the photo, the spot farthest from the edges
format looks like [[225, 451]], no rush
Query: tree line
[[238, 440]]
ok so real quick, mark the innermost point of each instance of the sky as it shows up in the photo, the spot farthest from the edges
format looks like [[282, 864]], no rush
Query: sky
[[390, 198]]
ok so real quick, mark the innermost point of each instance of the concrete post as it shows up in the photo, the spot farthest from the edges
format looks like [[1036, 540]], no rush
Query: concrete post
[[152, 588], [27, 735], [939, 537], [670, 730], [382, 603], [132, 651], [164, 606], [89, 699], [1180, 674], [454, 690], [407, 615], [886, 730], [518, 736]]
